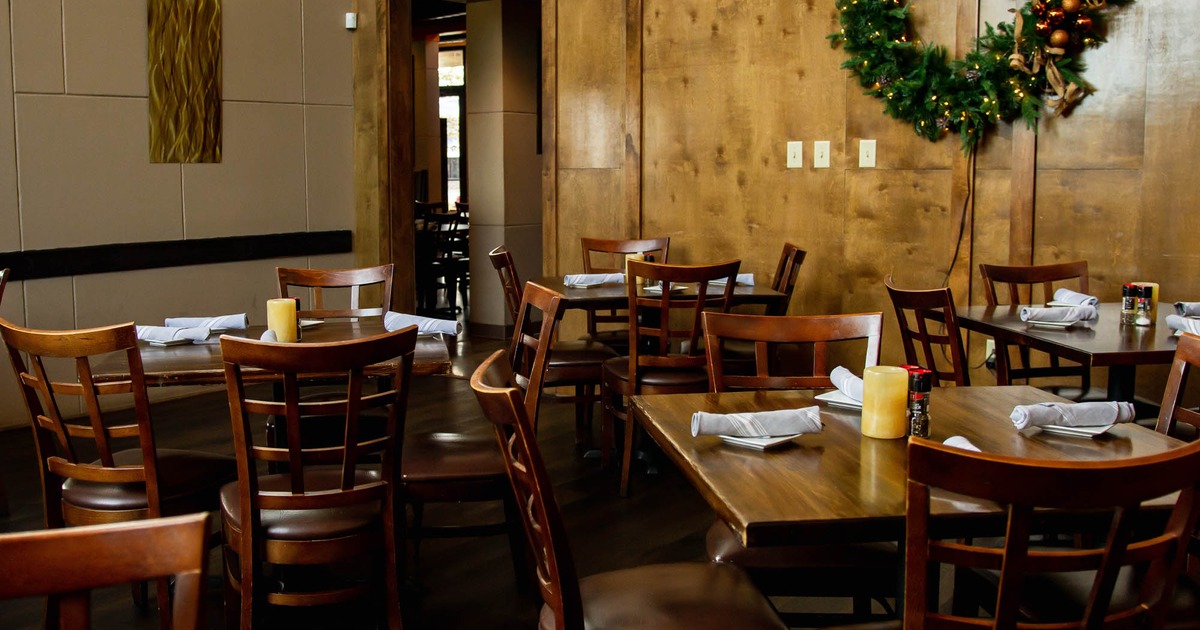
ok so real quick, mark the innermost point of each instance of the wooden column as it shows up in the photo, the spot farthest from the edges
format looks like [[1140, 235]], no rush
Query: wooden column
[[1024, 175], [962, 199], [633, 115], [549, 124]]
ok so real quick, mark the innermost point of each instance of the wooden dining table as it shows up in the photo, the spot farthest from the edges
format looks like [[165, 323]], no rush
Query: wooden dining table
[[840, 486], [607, 296], [1102, 342]]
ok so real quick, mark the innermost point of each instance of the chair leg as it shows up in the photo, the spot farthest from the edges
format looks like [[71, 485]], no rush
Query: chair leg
[[627, 455], [585, 398], [393, 565], [414, 532], [606, 424], [3, 499], [164, 602]]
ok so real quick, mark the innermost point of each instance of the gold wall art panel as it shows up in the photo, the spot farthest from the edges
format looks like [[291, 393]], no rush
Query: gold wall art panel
[[184, 65]]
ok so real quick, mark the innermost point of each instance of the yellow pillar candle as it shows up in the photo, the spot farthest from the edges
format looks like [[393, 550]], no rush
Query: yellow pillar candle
[[885, 398], [281, 319]]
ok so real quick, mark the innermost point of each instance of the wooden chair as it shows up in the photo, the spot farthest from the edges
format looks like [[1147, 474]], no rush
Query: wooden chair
[[574, 364], [686, 595], [319, 281], [442, 249], [787, 272], [665, 356], [129, 479], [1110, 492], [602, 255], [1172, 413], [1021, 283], [928, 321], [65, 564], [332, 504]]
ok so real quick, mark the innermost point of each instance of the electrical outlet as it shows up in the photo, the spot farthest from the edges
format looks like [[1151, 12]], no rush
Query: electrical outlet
[[989, 351], [795, 154], [821, 154], [866, 154]]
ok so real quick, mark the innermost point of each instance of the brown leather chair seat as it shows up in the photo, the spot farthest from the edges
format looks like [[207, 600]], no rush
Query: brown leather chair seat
[[445, 457], [305, 524], [650, 377], [188, 481], [577, 360], [663, 596]]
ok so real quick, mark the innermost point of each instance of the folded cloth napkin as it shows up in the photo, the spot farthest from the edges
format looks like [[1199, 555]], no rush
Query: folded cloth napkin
[[396, 321], [1068, 296], [1088, 414], [847, 382], [1058, 313], [268, 335], [1187, 308], [229, 322], [758, 423], [165, 333], [593, 278], [744, 279], [1186, 324], [958, 441]]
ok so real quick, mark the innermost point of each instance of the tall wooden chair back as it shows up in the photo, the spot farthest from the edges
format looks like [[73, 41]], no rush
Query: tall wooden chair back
[[1115, 487], [1016, 284], [349, 500], [502, 262], [665, 326], [929, 323], [1172, 413], [602, 255], [767, 331], [787, 272], [65, 564], [538, 315], [319, 282]]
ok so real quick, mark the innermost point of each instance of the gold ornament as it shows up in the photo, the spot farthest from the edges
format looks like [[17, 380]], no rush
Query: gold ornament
[[1083, 23], [1060, 38], [1055, 15], [1043, 28], [1072, 6]]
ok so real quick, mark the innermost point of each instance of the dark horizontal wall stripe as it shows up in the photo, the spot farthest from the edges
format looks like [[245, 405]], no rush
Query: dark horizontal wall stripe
[[78, 261]]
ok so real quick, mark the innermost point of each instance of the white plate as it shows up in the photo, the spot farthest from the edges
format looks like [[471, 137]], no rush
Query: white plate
[[1062, 304], [759, 443], [1053, 324], [657, 290], [309, 323], [584, 285], [838, 399], [1088, 432], [171, 342]]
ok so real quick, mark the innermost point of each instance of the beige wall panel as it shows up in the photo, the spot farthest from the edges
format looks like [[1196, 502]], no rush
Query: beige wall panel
[[85, 176], [483, 58], [258, 188], [522, 170], [50, 304], [487, 185], [261, 56], [329, 145], [37, 46], [588, 205], [591, 84], [10, 239], [327, 76], [105, 47]]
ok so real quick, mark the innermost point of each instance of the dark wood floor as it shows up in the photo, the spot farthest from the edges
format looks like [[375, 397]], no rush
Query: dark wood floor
[[463, 583]]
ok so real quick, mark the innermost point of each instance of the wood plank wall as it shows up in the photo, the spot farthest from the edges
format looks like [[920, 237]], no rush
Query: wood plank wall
[[670, 117]]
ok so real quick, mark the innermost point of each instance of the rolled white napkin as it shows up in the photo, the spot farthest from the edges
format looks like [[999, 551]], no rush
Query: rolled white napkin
[[1186, 324], [1058, 313], [1068, 296], [758, 423], [1088, 414], [1187, 308], [744, 279], [847, 383], [425, 325], [165, 333], [238, 321], [593, 278], [268, 335], [958, 441]]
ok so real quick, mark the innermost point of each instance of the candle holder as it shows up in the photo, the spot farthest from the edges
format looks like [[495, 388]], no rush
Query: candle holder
[[281, 319]]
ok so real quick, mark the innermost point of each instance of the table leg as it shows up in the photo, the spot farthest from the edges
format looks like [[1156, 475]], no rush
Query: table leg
[[1121, 382]]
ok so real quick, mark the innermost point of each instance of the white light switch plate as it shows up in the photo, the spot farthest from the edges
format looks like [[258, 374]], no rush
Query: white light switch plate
[[821, 154], [795, 154], [866, 154]]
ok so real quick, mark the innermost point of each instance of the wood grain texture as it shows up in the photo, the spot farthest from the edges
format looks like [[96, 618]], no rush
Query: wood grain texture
[[549, 124], [591, 53]]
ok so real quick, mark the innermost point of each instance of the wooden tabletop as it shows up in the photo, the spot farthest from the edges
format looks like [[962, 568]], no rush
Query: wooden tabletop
[[841, 486], [200, 364], [615, 296]]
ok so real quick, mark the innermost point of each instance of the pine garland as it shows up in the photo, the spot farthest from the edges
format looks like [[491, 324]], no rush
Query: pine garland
[[1013, 72]]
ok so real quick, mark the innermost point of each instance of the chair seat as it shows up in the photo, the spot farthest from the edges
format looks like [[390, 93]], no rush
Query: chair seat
[[188, 481], [306, 524], [663, 596], [695, 378], [1059, 597], [577, 362], [618, 339], [445, 457]]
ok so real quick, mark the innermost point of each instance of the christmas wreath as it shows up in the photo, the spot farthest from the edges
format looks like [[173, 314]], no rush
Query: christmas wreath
[[1017, 69]]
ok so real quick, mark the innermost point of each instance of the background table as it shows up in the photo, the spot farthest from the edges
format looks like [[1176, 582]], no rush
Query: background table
[[839, 486], [1103, 342], [615, 296]]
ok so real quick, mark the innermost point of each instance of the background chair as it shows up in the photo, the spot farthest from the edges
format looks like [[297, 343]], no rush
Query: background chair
[[602, 255], [65, 564], [104, 467], [574, 364], [1173, 418], [693, 596], [321, 281], [1003, 284], [442, 255], [1111, 596], [665, 356], [333, 504], [787, 272], [928, 321]]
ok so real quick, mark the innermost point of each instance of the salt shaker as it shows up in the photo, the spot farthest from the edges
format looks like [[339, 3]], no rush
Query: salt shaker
[[1143, 306], [920, 383]]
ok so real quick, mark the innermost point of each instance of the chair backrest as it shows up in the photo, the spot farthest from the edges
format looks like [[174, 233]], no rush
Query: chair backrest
[[1095, 489], [603, 255], [665, 328], [786, 274], [1020, 281], [317, 281], [555, 566], [67, 563], [390, 358], [533, 332], [502, 261], [66, 448], [1172, 412], [4, 273], [928, 321], [767, 331]]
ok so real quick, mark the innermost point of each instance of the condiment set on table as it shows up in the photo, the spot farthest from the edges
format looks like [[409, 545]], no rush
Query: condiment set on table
[[896, 401]]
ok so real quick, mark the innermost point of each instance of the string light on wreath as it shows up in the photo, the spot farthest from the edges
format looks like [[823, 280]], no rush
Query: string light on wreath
[[1018, 69]]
